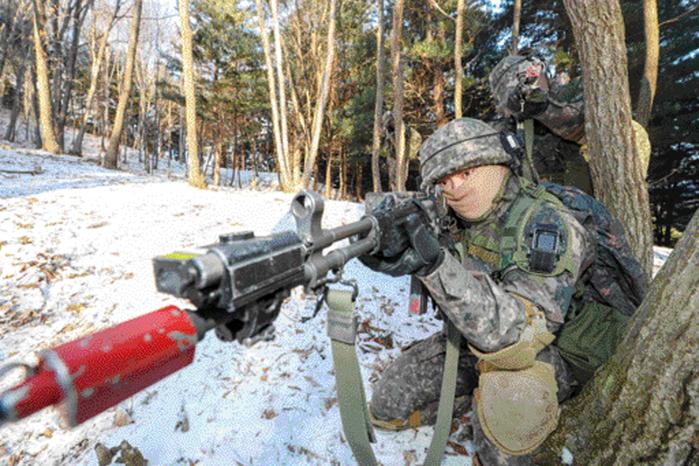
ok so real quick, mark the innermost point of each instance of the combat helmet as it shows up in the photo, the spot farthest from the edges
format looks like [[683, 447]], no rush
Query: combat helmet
[[458, 145], [510, 72]]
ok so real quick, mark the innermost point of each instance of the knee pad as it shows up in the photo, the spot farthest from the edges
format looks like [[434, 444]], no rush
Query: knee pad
[[516, 395]]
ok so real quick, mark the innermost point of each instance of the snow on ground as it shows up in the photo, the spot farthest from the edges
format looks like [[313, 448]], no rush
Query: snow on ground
[[76, 244]]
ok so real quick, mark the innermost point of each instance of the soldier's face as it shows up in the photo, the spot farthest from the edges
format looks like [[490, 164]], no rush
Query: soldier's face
[[471, 192]]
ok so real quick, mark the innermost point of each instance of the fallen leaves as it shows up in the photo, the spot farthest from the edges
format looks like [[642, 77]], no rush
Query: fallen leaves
[[459, 449], [183, 423], [269, 414], [409, 457], [75, 308], [312, 381], [330, 402]]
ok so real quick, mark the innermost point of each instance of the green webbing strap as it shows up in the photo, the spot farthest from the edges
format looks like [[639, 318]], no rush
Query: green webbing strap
[[342, 330], [515, 216], [528, 165], [446, 397]]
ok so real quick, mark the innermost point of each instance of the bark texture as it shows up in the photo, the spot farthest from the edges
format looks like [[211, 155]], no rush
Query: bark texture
[[439, 83], [643, 407], [322, 101], [617, 174], [77, 19], [95, 66], [112, 155], [282, 166], [378, 104], [194, 175], [398, 181], [43, 86], [458, 53], [278, 63], [649, 80], [516, 20]]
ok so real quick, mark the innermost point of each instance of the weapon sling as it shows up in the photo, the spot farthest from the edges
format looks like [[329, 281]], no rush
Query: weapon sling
[[342, 330], [527, 127]]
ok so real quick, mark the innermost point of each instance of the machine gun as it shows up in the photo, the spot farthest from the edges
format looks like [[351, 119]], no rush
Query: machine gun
[[237, 287]]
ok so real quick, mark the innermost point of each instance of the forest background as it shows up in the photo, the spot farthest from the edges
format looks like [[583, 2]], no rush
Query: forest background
[[327, 93]]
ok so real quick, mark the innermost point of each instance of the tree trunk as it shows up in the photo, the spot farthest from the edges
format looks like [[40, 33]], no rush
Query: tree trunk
[[646, 93], [141, 112], [358, 179], [616, 169], [105, 99], [181, 144], [378, 105], [194, 175], [158, 146], [19, 95], [56, 58], [48, 136], [67, 91], [643, 406], [438, 88], [516, 19], [218, 152], [284, 174], [92, 89], [458, 52], [36, 112], [343, 174], [322, 101], [398, 181], [278, 63], [329, 173], [253, 182], [110, 158], [9, 16]]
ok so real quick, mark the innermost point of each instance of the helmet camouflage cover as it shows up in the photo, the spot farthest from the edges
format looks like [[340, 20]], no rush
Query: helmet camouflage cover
[[460, 144], [506, 76]]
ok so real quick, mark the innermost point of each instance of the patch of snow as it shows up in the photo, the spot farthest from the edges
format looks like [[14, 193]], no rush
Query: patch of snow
[[660, 256], [76, 244], [566, 456]]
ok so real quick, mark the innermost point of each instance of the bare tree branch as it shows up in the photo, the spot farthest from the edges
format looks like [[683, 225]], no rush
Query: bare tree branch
[[679, 17], [439, 8]]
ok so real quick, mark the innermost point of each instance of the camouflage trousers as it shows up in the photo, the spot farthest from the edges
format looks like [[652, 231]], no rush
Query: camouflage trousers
[[413, 382]]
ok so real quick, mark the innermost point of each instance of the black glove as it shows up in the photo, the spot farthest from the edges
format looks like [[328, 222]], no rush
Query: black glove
[[394, 238], [422, 257], [525, 102], [425, 244]]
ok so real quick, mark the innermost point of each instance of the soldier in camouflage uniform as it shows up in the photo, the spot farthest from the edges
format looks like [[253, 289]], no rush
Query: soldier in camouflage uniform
[[507, 317], [522, 90]]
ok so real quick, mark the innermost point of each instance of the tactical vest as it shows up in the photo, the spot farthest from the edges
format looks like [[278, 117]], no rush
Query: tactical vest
[[596, 319]]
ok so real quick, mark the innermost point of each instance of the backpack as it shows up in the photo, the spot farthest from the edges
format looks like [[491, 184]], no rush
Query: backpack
[[615, 282]]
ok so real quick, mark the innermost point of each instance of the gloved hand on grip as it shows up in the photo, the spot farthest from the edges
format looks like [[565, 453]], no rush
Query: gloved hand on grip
[[422, 256], [525, 102], [394, 239]]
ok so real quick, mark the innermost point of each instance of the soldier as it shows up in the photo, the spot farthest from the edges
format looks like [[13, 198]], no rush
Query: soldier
[[521, 90], [519, 273]]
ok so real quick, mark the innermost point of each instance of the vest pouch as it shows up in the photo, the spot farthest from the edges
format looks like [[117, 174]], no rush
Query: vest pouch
[[588, 340]]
